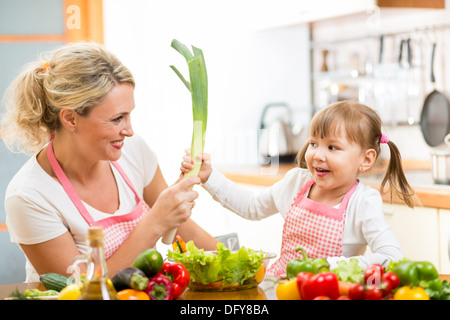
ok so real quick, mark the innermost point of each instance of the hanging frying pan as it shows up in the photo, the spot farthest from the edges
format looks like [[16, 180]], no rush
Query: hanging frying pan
[[435, 116]]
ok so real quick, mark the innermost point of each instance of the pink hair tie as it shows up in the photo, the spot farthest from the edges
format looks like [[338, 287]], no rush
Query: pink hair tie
[[384, 139]]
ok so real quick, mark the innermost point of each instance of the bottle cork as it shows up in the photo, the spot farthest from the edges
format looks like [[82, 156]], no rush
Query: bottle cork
[[95, 235]]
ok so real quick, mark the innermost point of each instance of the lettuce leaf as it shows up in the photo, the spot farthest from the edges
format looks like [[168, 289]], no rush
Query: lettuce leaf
[[349, 271], [206, 267]]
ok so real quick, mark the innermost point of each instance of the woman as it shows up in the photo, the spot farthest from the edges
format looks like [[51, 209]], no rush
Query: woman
[[73, 112]]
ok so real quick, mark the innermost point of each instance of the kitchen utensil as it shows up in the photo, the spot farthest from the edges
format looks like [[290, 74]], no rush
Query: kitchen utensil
[[435, 116], [402, 108], [440, 163], [279, 138]]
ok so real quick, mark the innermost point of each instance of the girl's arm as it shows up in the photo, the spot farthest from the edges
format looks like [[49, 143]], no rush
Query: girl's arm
[[247, 203]]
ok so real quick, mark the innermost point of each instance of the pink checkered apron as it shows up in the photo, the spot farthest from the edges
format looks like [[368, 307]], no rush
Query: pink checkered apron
[[315, 227], [116, 229]]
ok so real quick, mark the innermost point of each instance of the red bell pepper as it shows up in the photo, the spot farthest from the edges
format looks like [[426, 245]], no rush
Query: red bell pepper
[[179, 276], [159, 288], [314, 285]]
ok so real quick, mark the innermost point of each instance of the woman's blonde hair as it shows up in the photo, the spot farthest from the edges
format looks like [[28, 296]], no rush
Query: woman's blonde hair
[[362, 126], [76, 76]]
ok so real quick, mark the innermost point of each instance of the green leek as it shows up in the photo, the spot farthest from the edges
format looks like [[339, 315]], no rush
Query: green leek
[[198, 86]]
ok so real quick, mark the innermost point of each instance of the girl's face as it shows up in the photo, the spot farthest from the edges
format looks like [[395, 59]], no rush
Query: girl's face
[[104, 129], [335, 162]]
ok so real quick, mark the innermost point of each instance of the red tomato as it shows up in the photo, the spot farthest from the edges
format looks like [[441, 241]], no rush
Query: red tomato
[[392, 278], [356, 291], [373, 293], [385, 287], [373, 274]]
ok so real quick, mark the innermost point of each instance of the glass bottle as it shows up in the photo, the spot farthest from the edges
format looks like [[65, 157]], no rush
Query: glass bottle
[[97, 286]]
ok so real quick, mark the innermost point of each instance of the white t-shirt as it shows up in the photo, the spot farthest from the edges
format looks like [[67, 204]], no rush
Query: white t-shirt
[[38, 208], [364, 219]]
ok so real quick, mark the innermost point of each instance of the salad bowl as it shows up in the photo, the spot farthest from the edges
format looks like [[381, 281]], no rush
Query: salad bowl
[[223, 269]]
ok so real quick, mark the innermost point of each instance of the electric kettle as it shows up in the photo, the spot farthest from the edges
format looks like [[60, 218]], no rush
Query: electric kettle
[[280, 138]]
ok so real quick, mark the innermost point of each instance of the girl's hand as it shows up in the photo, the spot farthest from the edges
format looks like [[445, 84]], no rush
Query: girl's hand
[[188, 164], [174, 204]]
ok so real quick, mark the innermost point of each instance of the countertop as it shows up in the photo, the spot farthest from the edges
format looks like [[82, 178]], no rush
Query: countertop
[[418, 174], [265, 291]]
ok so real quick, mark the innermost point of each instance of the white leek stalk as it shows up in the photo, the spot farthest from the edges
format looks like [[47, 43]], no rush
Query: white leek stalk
[[198, 86]]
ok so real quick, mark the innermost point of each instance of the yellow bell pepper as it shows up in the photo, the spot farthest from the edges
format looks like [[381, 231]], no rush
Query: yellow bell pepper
[[411, 293], [71, 292], [288, 290]]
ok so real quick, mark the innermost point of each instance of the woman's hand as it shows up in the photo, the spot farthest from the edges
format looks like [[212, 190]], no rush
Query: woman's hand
[[188, 164], [174, 204]]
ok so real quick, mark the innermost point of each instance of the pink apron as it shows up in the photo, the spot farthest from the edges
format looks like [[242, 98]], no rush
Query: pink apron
[[315, 227], [116, 228]]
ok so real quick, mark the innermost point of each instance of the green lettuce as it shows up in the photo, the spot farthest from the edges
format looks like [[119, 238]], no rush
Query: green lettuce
[[206, 267], [349, 271]]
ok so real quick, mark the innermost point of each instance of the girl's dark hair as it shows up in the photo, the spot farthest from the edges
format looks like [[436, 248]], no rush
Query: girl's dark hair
[[363, 126]]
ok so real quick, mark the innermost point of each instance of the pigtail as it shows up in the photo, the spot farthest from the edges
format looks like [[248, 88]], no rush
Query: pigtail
[[396, 178], [301, 160]]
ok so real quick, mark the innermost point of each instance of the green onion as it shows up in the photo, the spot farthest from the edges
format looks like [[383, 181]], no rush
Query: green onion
[[198, 86]]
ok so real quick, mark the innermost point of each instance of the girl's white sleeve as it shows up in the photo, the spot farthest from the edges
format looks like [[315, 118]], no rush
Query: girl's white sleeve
[[247, 203], [255, 204]]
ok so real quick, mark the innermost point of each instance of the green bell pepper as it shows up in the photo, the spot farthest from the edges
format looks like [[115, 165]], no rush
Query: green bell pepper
[[296, 266], [413, 272]]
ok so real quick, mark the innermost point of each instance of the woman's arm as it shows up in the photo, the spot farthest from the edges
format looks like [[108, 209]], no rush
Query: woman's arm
[[170, 208], [189, 230], [54, 255]]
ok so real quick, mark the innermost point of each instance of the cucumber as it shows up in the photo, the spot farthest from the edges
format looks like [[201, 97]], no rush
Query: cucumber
[[53, 281]]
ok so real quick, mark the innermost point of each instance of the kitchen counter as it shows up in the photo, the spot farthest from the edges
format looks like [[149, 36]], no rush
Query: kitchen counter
[[265, 291], [418, 174]]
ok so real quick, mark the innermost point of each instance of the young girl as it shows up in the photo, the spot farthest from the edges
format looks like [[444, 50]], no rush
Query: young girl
[[327, 210]]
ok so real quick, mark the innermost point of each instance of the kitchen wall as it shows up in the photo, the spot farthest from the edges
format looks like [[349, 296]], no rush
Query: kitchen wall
[[247, 68]]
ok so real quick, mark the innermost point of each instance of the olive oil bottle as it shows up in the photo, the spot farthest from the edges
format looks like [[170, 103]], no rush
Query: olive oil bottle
[[98, 286]]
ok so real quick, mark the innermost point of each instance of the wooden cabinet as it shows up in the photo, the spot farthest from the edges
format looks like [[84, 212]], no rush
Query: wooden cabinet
[[430, 4], [287, 13], [444, 240], [422, 232]]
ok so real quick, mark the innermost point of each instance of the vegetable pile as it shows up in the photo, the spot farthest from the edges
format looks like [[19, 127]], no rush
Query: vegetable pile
[[222, 269], [309, 279], [148, 278]]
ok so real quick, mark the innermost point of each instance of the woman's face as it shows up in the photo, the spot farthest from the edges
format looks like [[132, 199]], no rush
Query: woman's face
[[103, 131]]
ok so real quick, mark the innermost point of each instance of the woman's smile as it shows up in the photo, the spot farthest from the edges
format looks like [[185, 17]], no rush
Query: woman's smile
[[118, 144]]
